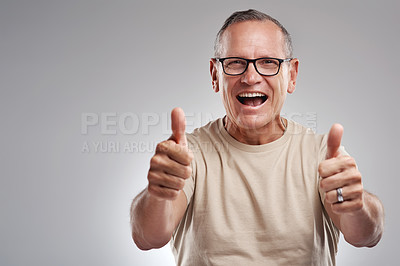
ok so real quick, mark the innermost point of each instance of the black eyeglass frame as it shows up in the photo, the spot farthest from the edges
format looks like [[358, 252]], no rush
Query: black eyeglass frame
[[254, 64]]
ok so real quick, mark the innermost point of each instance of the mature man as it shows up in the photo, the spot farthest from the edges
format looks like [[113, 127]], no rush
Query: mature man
[[253, 188]]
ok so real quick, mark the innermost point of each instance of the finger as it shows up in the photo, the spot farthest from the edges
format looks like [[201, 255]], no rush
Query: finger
[[166, 165], [347, 206], [334, 140], [342, 179], [165, 180], [175, 151], [178, 125], [163, 192], [336, 165], [350, 192]]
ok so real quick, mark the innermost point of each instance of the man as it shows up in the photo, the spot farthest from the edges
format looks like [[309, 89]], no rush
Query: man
[[253, 188]]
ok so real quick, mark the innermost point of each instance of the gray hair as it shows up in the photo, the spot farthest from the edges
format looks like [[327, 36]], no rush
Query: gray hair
[[252, 15]]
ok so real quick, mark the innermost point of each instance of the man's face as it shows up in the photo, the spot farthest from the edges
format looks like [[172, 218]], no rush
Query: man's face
[[251, 40]]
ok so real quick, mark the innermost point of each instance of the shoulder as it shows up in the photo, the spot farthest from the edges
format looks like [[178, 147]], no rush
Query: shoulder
[[307, 138], [305, 135], [306, 141], [205, 136]]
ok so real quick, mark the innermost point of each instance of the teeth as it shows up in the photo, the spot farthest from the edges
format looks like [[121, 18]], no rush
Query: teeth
[[251, 94]]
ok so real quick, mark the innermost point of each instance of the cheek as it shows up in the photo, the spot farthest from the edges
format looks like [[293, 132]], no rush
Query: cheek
[[279, 91], [226, 86], [281, 85], [228, 98]]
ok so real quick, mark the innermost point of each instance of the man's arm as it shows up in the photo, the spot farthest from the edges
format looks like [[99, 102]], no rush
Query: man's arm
[[362, 227], [158, 209], [153, 220], [360, 217]]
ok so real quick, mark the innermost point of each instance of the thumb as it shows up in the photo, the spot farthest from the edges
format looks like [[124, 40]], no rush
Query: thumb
[[334, 139], [178, 125]]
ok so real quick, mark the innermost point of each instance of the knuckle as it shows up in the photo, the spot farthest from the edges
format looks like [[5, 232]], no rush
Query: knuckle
[[359, 193], [187, 171], [180, 183], [358, 205], [187, 160], [358, 175], [162, 147], [350, 161], [152, 189], [159, 147], [152, 177], [329, 197], [161, 192], [321, 169], [155, 160], [355, 176], [185, 155], [166, 146], [322, 184]]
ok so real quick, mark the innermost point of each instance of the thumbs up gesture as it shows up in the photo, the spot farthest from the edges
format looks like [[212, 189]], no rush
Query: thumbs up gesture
[[341, 180], [170, 165]]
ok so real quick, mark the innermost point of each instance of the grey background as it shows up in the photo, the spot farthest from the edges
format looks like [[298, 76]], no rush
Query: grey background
[[63, 59]]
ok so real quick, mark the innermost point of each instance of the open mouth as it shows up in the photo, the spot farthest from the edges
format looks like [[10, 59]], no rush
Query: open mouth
[[252, 98]]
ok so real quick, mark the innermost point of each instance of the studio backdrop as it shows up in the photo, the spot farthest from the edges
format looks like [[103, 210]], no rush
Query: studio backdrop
[[86, 93]]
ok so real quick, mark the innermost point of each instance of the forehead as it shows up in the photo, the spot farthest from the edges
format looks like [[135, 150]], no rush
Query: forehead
[[252, 39]]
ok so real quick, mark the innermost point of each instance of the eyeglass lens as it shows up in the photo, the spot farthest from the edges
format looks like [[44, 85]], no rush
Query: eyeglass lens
[[237, 66]]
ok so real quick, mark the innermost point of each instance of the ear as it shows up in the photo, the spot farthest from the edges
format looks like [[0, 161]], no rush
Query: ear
[[214, 74], [293, 71]]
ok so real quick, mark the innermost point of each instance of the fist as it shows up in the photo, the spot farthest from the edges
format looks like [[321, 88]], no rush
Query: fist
[[170, 165], [341, 180]]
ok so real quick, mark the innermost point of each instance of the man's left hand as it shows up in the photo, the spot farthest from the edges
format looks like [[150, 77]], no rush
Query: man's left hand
[[339, 172]]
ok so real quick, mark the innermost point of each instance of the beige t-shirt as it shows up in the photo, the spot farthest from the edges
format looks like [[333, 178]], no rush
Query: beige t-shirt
[[255, 204]]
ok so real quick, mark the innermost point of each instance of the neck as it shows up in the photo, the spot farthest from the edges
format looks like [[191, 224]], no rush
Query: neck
[[257, 136]]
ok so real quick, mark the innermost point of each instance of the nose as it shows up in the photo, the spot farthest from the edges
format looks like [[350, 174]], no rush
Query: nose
[[251, 76]]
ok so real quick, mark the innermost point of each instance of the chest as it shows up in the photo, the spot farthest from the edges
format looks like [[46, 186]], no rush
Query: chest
[[271, 199]]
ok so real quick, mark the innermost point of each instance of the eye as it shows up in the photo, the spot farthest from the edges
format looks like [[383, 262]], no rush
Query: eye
[[268, 62], [235, 63]]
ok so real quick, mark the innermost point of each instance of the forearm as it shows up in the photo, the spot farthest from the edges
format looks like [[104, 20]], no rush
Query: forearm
[[364, 228], [152, 221], [157, 210]]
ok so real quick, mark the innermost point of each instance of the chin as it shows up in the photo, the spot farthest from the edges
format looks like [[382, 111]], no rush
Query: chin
[[252, 121]]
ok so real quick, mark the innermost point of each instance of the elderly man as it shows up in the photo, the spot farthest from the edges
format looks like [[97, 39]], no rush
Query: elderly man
[[253, 188]]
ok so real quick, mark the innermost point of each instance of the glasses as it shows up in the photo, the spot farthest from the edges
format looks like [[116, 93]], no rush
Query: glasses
[[266, 66]]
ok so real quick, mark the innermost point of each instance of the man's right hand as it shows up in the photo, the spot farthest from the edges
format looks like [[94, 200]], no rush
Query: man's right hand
[[170, 165]]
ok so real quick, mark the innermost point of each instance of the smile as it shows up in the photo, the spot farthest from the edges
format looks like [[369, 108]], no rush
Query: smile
[[252, 98]]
